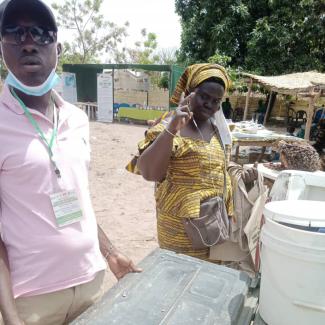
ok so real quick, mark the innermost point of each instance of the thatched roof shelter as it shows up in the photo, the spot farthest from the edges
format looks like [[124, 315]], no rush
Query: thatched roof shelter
[[309, 85]]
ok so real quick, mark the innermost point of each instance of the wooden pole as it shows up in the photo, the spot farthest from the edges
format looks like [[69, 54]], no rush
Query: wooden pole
[[247, 98], [310, 114], [280, 104], [268, 108]]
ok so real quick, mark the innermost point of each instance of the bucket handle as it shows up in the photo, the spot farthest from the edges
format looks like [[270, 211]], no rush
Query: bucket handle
[[308, 305]]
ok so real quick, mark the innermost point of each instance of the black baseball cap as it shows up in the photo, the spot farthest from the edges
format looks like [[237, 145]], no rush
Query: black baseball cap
[[36, 9]]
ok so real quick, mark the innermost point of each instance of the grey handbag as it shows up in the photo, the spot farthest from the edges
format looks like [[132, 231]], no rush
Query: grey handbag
[[212, 226]]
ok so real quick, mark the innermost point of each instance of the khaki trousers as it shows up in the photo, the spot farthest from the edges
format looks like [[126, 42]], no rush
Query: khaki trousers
[[61, 307]]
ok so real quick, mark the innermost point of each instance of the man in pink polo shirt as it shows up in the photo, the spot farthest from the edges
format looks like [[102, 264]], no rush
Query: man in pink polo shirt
[[51, 249]]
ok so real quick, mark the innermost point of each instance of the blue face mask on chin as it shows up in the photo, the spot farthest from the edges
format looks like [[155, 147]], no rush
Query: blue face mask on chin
[[40, 90]]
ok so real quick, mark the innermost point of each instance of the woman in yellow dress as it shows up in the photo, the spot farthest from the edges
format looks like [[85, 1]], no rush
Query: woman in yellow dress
[[185, 155]]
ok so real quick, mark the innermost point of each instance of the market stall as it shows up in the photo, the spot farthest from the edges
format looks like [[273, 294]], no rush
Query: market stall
[[306, 85], [251, 134]]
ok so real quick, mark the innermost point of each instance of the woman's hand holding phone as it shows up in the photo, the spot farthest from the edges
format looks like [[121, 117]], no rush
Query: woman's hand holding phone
[[182, 115]]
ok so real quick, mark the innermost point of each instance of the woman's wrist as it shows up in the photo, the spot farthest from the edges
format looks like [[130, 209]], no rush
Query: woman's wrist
[[171, 130]]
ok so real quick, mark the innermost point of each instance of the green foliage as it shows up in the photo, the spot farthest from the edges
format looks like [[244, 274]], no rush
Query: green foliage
[[263, 36], [164, 81], [167, 56], [291, 39], [218, 58], [234, 74], [146, 51], [143, 51], [92, 34]]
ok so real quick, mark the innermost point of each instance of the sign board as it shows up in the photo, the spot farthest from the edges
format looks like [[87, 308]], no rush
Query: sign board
[[69, 85], [105, 96]]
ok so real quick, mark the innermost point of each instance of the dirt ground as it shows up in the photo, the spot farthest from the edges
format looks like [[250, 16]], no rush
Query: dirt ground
[[123, 202]]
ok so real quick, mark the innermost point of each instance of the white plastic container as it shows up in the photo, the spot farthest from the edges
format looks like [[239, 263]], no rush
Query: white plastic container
[[293, 264], [299, 185]]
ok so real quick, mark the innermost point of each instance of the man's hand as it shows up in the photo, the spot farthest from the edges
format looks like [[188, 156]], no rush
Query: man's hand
[[117, 262], [120, 264]]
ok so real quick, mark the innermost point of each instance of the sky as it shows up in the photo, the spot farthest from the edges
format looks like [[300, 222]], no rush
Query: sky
[[157, 16]]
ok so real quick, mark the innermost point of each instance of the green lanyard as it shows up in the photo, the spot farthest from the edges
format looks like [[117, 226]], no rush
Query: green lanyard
[[49, 145]]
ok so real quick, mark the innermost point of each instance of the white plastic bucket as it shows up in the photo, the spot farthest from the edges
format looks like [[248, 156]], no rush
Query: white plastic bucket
[[293, 264]]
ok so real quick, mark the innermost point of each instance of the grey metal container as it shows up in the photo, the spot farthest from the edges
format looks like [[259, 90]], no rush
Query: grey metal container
[[176, 289]]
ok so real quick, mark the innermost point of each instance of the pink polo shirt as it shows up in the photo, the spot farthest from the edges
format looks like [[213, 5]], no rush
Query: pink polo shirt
[[44, 258]]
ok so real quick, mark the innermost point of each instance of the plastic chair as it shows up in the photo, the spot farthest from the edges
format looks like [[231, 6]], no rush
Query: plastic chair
[[124, 105], [301, 117]]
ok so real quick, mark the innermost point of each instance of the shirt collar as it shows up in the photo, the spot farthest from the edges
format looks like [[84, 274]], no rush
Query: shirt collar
[[10, 102]]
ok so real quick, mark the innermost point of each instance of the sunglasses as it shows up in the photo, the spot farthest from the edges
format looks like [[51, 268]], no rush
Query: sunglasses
[[17, 35]]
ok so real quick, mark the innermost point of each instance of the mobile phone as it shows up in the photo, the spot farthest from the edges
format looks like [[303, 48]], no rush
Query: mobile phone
[[192, 94]]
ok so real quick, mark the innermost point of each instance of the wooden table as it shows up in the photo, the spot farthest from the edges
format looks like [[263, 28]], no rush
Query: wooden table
[[257, 140]]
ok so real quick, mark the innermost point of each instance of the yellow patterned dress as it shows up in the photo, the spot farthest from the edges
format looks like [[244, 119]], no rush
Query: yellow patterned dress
[[195, 173]]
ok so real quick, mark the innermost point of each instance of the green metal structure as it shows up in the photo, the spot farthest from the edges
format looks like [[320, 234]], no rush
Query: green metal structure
[[86, 76]]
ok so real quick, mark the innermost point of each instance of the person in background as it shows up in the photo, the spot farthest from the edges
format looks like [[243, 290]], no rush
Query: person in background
[[227, 109], [320, 138], [261, 111], [290, 130], [319, 114], [52, 252]]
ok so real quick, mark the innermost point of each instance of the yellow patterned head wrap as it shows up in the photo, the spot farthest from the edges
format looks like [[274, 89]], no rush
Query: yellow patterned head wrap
[[195, 74]]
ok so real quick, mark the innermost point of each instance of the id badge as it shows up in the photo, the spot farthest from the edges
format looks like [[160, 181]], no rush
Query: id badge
[[66, 208]]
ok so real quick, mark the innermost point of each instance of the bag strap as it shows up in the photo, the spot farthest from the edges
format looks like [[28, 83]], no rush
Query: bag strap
[[260, 181], [216, 131], [202, 239]]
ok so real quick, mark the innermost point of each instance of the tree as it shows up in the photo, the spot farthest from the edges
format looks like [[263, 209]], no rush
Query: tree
[[143, 51], [167, 55], [263, 36], [213, 26], [291, 39], [146, 51], [164, 81], [93, 35]]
